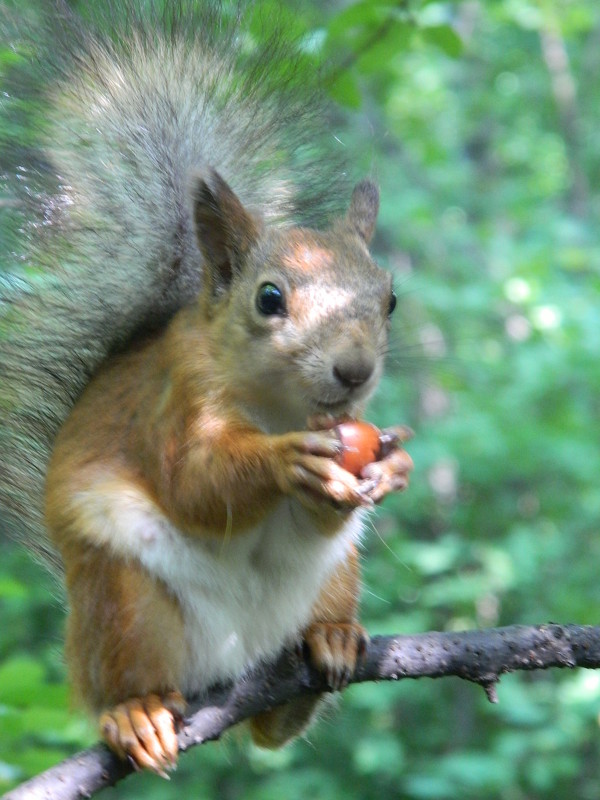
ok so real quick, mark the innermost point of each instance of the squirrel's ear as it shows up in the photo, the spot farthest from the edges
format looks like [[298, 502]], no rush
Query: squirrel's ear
[[364, 205], [225, 230]]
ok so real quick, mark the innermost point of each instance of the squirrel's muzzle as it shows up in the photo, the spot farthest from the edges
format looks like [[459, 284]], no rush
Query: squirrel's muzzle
[[352, 369]]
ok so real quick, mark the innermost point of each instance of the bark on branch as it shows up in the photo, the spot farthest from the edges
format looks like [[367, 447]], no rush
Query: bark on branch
[[478, 656]]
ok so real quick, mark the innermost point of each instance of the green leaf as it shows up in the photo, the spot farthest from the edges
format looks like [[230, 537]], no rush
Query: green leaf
[[444, 37], [346, 91], [23, 684]]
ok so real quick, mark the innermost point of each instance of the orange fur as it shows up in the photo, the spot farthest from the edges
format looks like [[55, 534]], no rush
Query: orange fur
[[122, 621]]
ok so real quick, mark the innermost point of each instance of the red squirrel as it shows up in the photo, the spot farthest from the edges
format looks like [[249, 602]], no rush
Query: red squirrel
[[201, 525], [193, 490]]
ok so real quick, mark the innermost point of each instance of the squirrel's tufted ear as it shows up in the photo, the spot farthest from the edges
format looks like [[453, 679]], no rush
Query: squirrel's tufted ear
[[364, 205], [225, 230]]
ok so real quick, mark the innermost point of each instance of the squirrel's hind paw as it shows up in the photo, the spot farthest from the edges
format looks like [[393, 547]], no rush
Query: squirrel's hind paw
[[143, 730], [335, 648]]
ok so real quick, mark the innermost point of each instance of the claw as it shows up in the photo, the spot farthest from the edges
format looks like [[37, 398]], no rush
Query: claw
[[143, 731], [380, 478], [310, 472], [334, 650]]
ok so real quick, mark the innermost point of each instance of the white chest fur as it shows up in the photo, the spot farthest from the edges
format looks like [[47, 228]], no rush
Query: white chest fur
[[244, 597]]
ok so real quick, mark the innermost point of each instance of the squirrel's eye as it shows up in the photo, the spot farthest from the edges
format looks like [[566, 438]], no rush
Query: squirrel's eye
[[269, 300], [392, 306]]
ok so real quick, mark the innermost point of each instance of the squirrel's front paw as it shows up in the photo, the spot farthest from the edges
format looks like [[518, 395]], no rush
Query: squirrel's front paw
[[391, 474], [143, 730], [334, 648], [309, 471]]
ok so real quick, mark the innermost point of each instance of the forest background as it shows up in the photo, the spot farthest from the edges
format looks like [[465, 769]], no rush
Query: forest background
[[479, 120]]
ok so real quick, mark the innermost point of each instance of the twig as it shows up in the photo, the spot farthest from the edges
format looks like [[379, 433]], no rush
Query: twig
[[477, 656]]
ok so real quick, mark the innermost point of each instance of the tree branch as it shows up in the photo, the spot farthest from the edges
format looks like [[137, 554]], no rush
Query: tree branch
[[477, 656]]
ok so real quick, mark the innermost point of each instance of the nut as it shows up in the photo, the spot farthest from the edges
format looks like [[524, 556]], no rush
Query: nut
[[361, 445]]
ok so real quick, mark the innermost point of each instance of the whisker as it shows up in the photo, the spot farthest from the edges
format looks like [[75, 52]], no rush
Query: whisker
[[373, 528]]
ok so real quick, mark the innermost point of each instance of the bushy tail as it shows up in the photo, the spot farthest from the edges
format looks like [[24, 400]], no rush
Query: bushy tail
[[123, 111]]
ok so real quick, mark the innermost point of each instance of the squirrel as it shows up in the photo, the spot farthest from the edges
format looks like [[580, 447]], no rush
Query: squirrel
[[173, 370]]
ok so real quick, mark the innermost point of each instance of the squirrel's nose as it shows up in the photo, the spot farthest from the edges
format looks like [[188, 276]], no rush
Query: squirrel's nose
[[354, 370]]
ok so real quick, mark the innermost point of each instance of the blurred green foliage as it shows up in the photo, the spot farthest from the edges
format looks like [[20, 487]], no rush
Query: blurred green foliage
[[479, 121]]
